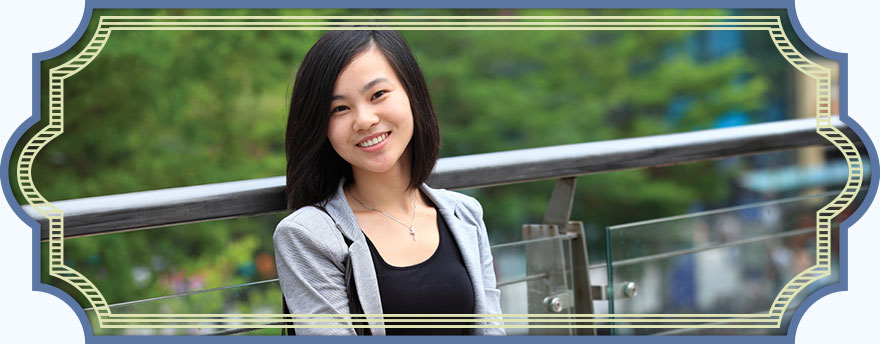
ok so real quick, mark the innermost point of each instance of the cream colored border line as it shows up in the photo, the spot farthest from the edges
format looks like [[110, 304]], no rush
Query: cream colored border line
[[771, 24]]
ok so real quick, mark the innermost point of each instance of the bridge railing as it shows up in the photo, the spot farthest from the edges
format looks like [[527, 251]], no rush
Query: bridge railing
[[554, 285]]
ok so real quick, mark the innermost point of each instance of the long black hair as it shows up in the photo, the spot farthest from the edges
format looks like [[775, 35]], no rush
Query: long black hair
[[313, 167]]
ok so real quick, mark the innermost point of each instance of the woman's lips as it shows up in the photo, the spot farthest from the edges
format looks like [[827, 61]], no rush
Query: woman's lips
[[374, 142]]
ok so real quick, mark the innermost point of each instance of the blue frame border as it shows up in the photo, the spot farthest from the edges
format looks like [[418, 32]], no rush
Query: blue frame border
[[463, 4]]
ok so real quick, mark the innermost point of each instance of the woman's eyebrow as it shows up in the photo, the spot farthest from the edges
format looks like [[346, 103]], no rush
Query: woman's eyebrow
[[372, 83], [365, 88]]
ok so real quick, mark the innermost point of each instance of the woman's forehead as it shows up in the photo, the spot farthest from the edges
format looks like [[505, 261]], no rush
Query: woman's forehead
[[365, 69]]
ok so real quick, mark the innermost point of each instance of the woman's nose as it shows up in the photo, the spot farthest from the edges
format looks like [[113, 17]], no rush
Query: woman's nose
[[365, 119]]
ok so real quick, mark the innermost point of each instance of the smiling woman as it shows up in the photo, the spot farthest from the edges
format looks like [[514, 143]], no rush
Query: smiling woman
[[366, 233]]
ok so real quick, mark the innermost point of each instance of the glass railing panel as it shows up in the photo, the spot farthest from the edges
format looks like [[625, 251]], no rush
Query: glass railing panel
[[727, 261], [528, 272], [158, 262], [263, 297]]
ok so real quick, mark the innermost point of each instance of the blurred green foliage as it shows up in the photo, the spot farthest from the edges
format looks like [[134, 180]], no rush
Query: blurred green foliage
[[160, 109]]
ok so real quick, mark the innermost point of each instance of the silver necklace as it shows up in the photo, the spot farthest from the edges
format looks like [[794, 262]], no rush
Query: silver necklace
[[411, 222]]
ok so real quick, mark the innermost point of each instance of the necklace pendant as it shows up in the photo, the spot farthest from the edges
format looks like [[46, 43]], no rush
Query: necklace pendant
[[413, 233]]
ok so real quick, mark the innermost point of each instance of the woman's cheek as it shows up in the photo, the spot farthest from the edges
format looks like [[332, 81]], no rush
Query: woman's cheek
[[336, 131]]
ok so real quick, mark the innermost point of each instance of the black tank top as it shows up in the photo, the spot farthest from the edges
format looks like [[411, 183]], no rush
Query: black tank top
[[439, 285]]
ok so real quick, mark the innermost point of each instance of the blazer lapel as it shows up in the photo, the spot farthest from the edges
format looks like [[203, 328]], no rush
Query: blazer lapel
[[465, 235], [361, 259]]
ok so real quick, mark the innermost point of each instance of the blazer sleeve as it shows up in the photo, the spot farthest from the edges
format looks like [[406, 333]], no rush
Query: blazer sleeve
[[311, 272], [493, 294]]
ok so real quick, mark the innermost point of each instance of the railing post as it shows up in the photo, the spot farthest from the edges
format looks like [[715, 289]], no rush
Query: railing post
[[558, 214], [559, 209], [540, 258]]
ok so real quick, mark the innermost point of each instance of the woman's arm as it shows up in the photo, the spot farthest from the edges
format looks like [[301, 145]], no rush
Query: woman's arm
[[493, 294], [309, 260]]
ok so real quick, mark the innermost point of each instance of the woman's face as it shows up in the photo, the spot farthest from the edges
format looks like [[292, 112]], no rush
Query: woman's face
[[371, 121]]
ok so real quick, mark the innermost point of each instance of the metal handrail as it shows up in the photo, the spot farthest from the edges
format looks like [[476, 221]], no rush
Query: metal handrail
[[165, 207]]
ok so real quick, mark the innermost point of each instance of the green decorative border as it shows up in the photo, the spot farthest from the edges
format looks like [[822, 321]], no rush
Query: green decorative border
[[771, 24]]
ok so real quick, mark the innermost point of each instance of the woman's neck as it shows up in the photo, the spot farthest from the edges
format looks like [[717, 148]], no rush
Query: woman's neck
[[387, 191]]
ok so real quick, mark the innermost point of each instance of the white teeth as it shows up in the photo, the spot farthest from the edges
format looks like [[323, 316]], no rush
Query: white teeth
[[374, 141]]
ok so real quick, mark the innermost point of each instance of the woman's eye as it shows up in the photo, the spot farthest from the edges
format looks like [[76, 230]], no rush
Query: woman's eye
[[339, 108], [377, 95]]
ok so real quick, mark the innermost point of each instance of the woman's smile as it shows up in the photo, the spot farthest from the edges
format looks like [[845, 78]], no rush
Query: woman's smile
[[374, 142]]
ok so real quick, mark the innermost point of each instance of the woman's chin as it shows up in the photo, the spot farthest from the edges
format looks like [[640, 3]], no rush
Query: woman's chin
[[374, 168]]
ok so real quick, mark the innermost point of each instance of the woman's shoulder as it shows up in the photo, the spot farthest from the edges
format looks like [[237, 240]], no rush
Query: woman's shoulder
[[309, 225], [308, 215], [457, 201]]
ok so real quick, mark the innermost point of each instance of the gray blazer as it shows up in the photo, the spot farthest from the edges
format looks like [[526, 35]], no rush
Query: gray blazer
[[310, 254]]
